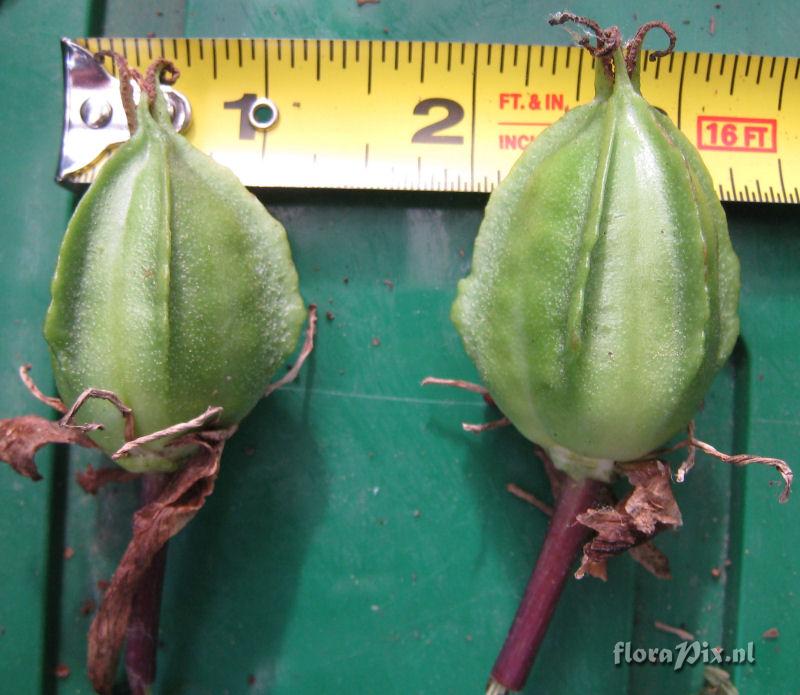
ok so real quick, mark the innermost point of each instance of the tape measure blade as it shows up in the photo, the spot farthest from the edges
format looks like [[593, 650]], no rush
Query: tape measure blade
[[455, 116]]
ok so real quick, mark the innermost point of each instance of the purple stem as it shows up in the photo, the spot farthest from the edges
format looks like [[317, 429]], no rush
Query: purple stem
[[565, 537], [142, 634]]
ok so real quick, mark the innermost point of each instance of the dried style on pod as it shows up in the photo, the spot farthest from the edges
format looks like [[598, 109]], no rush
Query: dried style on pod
[[174, 301], [174, 289], [601, 303], [603, 291]]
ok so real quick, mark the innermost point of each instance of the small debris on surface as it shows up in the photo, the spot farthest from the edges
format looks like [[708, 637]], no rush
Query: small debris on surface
[[329, 315], [251, 679], [677, 631], [772, 633], [62, 671], [376, 342], [416, 513], [374, 607], [712, 26], [388, 283], [346, 280], [716, 572], [375, 490], [468, 638], [461, 253], [249, 450], [88, 607], [69, 553], [367, 2]]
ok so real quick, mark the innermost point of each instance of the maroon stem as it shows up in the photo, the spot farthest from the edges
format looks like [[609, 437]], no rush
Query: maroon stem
[[565, 537], [142, 633]]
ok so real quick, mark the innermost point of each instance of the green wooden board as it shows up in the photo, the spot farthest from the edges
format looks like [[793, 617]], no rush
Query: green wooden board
[[358, 540]]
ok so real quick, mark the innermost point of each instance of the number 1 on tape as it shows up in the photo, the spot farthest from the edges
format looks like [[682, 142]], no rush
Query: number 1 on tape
[[455, 116]]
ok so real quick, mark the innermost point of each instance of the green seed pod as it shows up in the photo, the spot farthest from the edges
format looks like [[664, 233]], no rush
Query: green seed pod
[[174, 288], [603, 293]]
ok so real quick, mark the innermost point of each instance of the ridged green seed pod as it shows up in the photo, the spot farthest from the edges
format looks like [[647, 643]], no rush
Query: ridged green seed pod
[[174, 288], [603, 293]]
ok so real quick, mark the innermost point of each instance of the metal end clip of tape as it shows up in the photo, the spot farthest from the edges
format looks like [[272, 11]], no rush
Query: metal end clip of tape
[[94, 119]]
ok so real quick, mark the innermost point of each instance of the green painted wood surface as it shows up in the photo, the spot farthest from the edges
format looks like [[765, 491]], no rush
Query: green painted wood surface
[[358, 540], [35, 211]]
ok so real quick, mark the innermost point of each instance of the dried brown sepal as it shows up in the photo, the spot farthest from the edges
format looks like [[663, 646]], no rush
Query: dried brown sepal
[[652, 559], [106, 395], [21, 437], [30, 384], [210, 415], [648, 509], [93, 479], [153, 525], [305, 351], [455, 383], [692, 444], [485, 426], [554, 476], [742, 460], [594, 568], [530, 498], [474, 388]]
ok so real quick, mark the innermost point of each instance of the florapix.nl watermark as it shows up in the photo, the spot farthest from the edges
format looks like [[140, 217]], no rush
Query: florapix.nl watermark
[[686, 653]]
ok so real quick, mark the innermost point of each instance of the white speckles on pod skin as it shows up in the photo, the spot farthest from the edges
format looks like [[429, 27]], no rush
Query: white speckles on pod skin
[[175, 289], [603, 293]]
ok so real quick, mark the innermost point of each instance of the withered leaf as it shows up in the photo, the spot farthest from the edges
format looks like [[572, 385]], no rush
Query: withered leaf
[[652, 559], [92, 479], [21, 437], [648, 509], [153, 525]]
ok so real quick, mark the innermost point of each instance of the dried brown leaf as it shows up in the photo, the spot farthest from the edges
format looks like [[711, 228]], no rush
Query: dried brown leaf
[[594, 568], [652, 559], [153, 525], [21, 437], [648, 509], [92, 479]]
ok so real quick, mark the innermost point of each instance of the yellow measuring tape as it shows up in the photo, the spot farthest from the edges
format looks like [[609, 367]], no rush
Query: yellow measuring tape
[[452, 116]]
